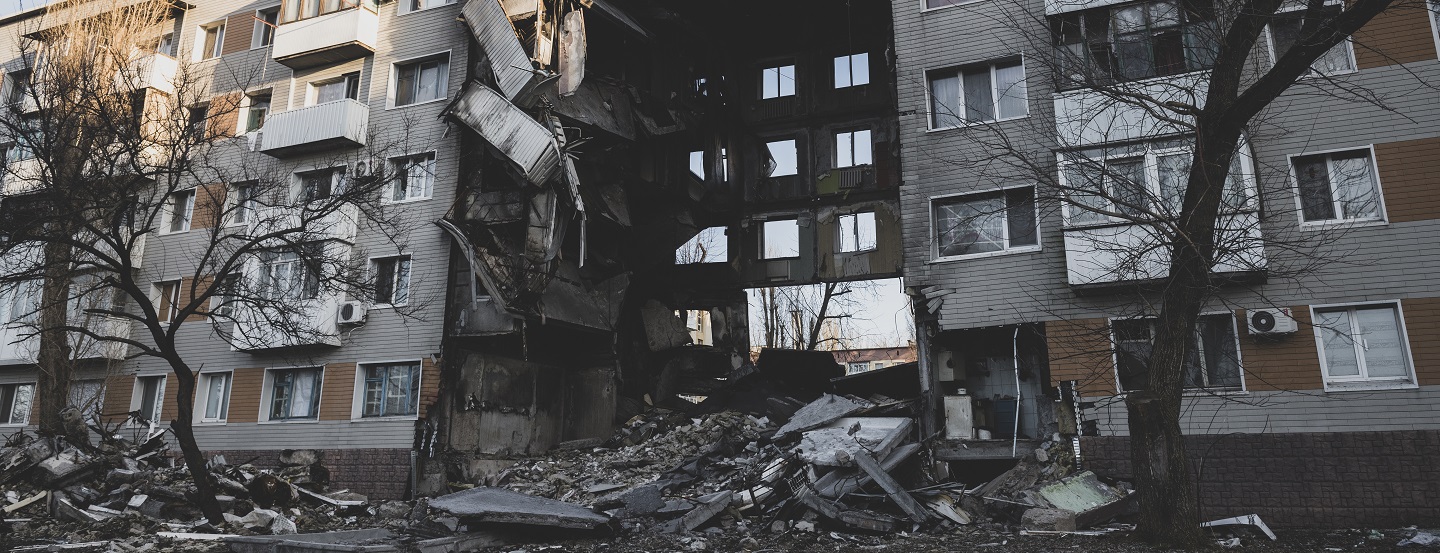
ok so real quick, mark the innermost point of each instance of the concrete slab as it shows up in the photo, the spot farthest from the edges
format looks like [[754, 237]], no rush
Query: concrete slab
[[819, 413], [505, 506]]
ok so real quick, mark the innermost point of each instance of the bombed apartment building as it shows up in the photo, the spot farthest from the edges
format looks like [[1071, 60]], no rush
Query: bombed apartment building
[[643, 163]]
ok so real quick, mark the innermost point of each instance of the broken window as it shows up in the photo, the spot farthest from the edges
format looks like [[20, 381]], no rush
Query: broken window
[[167, 300], [708, 246], [852, 70], [148, 397], [857, 232], [985, 223], [1338, 186], [15, 402], [1363, 343], [783, 157], [853, 148], [1134, 41], [414, 178], [392, 280], [339, 88], [776, 82], [391, 390], [977, 93], [1285, 30], [1212, 361], [780, 239], [181, 210], [422, 81], [215, 396], [294, 393]]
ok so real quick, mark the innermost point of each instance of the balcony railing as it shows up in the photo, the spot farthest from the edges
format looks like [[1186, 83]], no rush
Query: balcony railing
[[338, 124], [327, 39]]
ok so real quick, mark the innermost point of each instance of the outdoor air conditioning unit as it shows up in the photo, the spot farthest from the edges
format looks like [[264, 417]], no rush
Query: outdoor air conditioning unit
[[352, 312], [1272, 321]]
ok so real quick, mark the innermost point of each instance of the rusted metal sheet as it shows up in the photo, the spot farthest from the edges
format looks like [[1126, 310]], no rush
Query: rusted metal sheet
[[512, 66], [509, 129], [572, 52]]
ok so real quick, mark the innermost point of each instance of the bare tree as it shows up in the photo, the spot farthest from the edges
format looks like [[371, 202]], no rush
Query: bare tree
[[119, 140], [1183, 86]]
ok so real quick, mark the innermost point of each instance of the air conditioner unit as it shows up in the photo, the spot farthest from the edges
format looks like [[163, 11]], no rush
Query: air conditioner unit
[[1272, 321], [351, 312]]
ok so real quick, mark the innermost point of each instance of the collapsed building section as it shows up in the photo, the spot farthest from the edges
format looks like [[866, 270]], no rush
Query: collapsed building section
[[630, 168]]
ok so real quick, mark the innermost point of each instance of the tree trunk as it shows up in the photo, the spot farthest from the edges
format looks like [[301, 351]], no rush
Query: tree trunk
[[185, 437], [56, 367]]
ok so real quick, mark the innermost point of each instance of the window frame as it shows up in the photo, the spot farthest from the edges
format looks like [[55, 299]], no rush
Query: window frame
[[392, 88], [7, 409], [1348, 43], [761, 254], [358, 408], [1365, 383], [409, 272], [779, 76], [202, 397], [267, 395], [840, 232], [935, 256], [1235, 322], [850, 70], [396, 164], [261, 29], [959, 72], [1382, 219]]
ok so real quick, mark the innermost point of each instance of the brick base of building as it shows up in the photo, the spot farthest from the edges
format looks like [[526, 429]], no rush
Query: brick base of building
[[1312, 480], [374, 473]]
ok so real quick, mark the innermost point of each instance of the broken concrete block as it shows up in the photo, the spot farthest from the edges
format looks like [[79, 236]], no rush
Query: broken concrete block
[[642, 501], [1054, 520], [820, 412], [505, 506]]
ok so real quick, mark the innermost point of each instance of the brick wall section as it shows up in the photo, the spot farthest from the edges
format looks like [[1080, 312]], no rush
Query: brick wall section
[[374, 473], [1284, 362], [1314, 480], [1408, 179], [1400, 34]]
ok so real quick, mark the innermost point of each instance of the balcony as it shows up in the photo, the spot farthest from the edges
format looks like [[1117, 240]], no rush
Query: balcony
[[152, 70], [338, 124], [327, 39]]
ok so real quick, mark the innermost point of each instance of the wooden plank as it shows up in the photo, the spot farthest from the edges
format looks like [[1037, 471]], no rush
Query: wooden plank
[[897, 493]]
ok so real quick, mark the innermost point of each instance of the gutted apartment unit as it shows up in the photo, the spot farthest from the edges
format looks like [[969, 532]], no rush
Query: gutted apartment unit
[[1315, 360]]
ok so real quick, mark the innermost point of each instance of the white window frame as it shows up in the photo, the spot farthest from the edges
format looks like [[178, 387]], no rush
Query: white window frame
[[9, 410], [158, 298], [203, 34], [137, 395], [188, 217], [357, 407], [257, 33], [840, 232], [402, 9], [991, 63], [779, 71], [850, 64], [850, 137], [761, 235], [267, 394], [1151, 157], [427, 191], [1235, 323], [392, 91], [935, 256], [202, 397], [1364, 383], [1382, 219], [374, 267], [1348, 43]]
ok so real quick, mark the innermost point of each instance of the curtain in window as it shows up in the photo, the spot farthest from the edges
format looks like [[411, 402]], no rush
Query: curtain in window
[[945, 101]]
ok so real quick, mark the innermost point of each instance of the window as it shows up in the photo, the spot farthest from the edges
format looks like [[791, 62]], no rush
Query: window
[[148, 397], [857, 232], [321, 184], [343, 87], [392, 280], [780, 239], [291, 274], [708, 246], [241, 201], [984, 223], [1213, 361], [294, 394], [1338, 186], [777, 81], [1134, 41], [295, 10], [1135, 181], [255, 114], [215, 394], [15, 402], [977, 93], [852, 70], [1285, 30], [264, 32], [391, 390], [167, 300], [421, 81], [16, 83], [414, 178], [181, 210], [214, 41], [407, 6], [853, 148], [783, 162], [1363, 344]]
